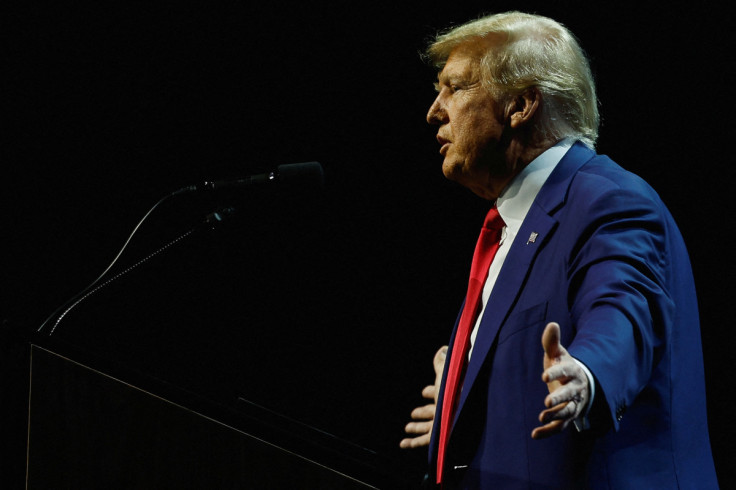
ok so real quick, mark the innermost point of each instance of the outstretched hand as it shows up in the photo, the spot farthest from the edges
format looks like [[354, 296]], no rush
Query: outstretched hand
[[423, 417], [567, 383]]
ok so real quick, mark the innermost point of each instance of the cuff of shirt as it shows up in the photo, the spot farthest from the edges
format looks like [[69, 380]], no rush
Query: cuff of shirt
[[581, 423]]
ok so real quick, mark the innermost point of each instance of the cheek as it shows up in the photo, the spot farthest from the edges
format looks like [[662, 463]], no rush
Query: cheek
[[466, 134], [474, 137]]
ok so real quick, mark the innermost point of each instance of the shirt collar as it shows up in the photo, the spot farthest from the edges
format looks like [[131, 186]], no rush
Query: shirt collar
[[516, 199]]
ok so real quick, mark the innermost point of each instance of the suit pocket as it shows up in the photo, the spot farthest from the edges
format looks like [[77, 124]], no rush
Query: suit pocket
[[533, 317]]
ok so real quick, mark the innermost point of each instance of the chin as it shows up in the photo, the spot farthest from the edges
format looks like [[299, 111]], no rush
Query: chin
[[455, 173], [484, 194], [452, 171]]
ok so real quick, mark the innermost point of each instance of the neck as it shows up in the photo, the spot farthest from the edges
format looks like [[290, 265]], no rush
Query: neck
[[517, 156]]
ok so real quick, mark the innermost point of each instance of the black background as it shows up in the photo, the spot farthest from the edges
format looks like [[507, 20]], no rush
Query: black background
[[325, 306]]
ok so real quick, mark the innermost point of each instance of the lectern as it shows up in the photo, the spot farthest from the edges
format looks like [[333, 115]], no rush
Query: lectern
[[93, 429]]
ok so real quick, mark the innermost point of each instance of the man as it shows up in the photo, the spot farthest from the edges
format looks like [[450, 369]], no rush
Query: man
[[588, 262]]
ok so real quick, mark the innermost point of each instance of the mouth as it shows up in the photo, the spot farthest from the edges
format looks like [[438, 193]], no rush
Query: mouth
[[444, 144]]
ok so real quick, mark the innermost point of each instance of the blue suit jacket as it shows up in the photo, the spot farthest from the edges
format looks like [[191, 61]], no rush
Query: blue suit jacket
[[609, 265]]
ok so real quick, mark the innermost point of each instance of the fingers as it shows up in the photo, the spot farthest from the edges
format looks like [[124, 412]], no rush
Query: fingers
[[568, 392], [423, 428], [424, 416], [419, 427], [567, 384], [565, 404], [567, 373], [550, 429], [552, 423], [429, 392], [414, 442], [572, 383], [562, 372], [561, 411], [424, 413]]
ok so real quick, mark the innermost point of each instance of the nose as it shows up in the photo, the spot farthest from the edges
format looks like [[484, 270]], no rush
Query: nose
[[436, 113]]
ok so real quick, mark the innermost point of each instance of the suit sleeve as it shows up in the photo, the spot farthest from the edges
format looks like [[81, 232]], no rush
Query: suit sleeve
[[617, 296]]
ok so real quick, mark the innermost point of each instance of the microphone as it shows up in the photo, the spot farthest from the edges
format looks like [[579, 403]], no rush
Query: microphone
[[308, 174]]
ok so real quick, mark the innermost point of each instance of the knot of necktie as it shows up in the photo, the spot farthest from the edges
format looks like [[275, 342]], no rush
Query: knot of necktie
[[493, 220]]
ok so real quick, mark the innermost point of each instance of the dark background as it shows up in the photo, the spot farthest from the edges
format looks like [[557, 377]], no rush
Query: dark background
[[325, 306]]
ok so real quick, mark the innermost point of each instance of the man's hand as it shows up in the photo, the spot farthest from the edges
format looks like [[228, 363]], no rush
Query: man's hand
[[423, 416], [567, 384]]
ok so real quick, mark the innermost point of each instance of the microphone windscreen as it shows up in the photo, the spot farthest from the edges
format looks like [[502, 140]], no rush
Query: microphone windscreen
[[307, 173]]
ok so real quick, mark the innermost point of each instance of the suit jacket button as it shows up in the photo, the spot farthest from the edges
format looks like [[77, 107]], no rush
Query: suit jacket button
[[620, 412]]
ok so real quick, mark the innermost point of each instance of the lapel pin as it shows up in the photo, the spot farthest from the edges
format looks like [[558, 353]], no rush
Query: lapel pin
[[532, 237]]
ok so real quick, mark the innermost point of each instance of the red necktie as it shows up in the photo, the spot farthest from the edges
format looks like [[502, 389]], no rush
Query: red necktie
[[485, 250]]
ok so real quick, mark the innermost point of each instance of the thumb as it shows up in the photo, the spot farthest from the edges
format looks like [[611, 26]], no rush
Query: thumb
[[439, 360], [552, 350], [551, 341]]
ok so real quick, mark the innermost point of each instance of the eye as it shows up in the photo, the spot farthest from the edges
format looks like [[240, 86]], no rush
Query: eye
[[451, 87]]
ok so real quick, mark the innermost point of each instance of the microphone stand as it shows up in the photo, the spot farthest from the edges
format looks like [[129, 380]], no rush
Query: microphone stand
[[210, 222], [306, 172]]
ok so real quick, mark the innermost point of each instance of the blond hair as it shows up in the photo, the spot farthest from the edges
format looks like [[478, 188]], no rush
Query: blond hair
[[534, 52]]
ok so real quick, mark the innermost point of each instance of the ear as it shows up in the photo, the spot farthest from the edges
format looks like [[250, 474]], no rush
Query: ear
[[523, 107]]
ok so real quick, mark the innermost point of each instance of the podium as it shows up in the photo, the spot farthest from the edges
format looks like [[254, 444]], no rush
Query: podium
[[245, 359], [91, 429]]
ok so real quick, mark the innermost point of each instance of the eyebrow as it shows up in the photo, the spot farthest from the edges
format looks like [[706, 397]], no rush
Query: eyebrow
[[448, 78]]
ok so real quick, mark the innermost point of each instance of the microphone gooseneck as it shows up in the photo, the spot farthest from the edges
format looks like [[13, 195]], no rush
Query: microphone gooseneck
[[305, 174]]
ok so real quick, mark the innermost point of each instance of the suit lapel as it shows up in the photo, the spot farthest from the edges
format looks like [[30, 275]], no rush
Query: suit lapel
[[539, 224], [508, 286]]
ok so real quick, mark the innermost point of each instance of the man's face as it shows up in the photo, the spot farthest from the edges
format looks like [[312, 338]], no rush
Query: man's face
[[471, 125]]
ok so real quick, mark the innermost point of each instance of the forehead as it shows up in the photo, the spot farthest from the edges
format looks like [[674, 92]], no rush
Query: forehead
[[463, 62], [458, 67]]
